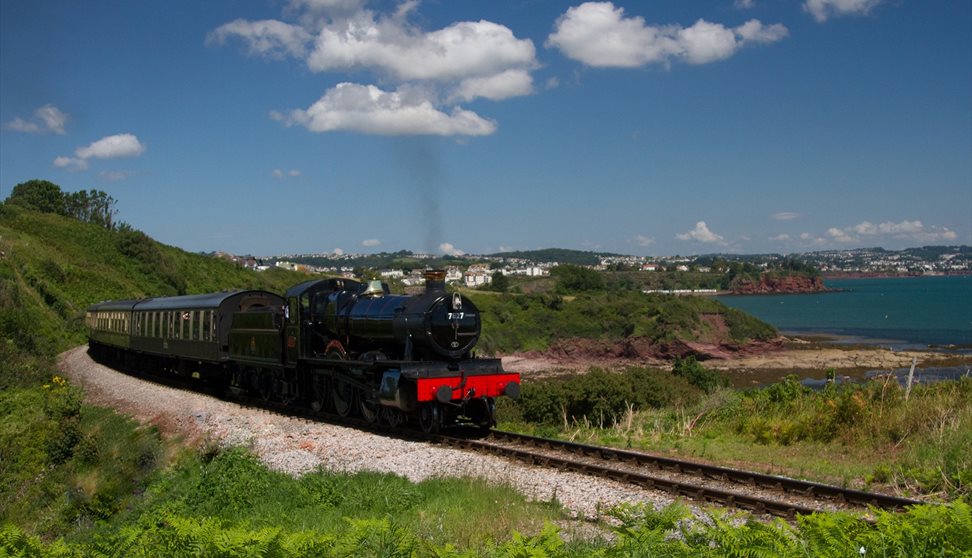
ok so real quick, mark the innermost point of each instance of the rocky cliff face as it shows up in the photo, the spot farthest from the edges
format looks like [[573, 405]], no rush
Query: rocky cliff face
[[780, 285]]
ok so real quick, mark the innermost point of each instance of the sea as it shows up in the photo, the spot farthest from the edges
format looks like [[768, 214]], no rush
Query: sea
[[929, 312]]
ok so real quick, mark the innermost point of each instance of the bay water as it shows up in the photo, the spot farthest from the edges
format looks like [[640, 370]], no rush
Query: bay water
[[899, 312]]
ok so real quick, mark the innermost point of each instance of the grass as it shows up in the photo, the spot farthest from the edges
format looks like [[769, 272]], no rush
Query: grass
[[856, 435]]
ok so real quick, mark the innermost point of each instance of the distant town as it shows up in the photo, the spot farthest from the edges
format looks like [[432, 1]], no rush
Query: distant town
[[472, 270]]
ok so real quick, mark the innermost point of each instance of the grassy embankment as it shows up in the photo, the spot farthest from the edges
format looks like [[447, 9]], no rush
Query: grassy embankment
[[89, 482], [868, 435]]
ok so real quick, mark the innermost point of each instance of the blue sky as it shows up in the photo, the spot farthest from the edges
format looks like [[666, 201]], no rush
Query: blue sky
[[650, 128]]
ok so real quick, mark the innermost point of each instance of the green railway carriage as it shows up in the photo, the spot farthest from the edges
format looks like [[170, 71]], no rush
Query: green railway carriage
[[185, 334], [193, 326], [109, 323]]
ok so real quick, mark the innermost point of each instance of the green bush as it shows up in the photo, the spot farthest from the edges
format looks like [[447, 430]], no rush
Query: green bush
[[601, 397], [698, 375]]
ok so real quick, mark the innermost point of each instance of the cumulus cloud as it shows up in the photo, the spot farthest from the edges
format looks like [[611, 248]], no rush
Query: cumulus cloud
[[822, 10], [913, 231], [47, 119], [269, 37], [642, 240], [110, 147], [461, 50], [785, 216], [701, 233], [460, 62], [338, 252], [598, 34], [368, 109], [371, 242], [448, 249], [744, 4], [511, 83]]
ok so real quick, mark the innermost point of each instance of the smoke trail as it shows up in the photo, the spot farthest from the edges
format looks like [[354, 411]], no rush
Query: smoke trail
[[422, 167]]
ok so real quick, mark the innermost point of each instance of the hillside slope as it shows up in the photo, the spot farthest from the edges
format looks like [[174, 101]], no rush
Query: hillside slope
[[52, 267]]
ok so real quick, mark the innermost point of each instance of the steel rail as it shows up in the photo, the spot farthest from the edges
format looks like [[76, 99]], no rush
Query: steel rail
[[798, 487], [747, 502]]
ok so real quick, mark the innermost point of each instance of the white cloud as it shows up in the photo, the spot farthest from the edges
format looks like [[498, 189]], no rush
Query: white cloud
[[269, 37], [511, 83], [914, 231], [71, 163], [701, 233], [744, 4], [47, 118], [822, 10], [109, 147], [785, 216], [338, 252], [450, 250], [370, 110], [642, 240], [840, 235], [462, 61], [462, 50], [598, 34], [783, 237], [371, 242], [753, 31]]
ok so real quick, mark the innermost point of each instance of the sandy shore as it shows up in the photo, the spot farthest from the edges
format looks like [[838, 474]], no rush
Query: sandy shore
[[803, 358]]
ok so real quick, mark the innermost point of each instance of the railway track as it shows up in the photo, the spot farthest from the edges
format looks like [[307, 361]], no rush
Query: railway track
[[756, 492]]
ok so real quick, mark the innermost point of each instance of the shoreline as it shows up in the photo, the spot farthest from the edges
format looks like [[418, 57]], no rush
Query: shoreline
[[809, 357]]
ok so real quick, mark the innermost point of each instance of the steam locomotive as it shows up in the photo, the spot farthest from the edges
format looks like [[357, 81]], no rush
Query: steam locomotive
[[334, 345]]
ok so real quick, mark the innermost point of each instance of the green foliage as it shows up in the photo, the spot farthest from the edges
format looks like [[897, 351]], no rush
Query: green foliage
[[601, 397], [500, 283], [575, 279], [38, 195], [92, 206], [532, 322], [698, 375]]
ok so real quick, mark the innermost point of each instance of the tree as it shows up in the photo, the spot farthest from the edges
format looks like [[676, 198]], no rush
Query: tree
[[39, 195], [92, 206], [573, 278], [500, 282]]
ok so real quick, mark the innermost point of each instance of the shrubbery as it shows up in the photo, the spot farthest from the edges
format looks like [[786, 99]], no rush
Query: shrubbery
[[514, 323], [601, 397]]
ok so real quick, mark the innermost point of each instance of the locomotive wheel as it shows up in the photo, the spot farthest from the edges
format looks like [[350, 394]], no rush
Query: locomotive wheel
[[370, 409], [343, 397], [430, 418], [342, 393], [318, 397], [265, 384]]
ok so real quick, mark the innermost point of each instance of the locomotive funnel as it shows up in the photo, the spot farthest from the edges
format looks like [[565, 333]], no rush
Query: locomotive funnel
[[434, 280]]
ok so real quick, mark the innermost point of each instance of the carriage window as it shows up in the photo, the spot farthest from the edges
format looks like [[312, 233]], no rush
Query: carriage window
[[206, 321]]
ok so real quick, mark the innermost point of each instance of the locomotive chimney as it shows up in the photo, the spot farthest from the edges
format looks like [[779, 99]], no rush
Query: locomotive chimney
[[434, 280]]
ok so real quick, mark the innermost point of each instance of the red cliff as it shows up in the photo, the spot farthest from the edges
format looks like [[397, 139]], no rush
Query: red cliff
[[780, 284]]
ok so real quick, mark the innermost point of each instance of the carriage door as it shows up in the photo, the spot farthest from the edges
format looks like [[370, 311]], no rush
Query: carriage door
[[292, 336]]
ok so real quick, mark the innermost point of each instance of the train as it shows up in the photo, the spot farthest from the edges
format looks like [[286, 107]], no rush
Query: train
[[333, 345]]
